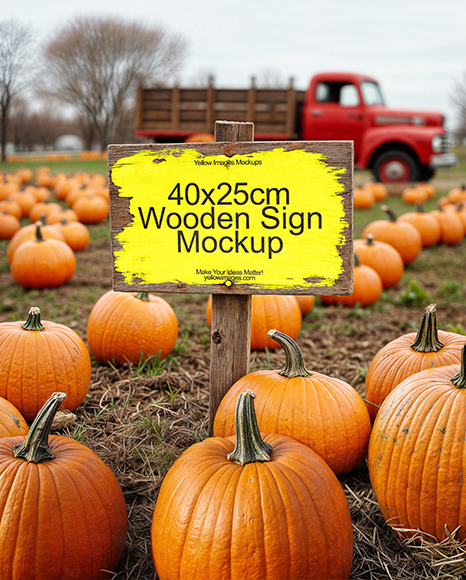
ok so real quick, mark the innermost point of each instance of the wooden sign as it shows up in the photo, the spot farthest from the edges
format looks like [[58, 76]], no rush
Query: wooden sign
[[232, 217]]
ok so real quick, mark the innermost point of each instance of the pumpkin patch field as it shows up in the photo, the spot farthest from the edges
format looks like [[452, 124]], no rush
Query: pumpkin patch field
[[352, 416]]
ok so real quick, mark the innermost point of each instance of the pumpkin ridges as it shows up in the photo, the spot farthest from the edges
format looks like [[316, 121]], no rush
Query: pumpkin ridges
[[170, 564], [430, 413]]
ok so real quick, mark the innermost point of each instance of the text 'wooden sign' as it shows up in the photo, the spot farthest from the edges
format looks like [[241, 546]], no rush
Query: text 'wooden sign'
[[243, 218]]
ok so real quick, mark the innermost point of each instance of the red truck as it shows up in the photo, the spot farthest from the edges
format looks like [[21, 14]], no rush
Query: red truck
[[396, 145]]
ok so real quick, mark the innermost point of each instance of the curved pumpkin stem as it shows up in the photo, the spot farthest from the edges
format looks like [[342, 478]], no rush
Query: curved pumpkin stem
[[250, 447], [459, 380], [391, 214], [144, 296], [427, 339], [35, 448], [294, 364], [33, 321]]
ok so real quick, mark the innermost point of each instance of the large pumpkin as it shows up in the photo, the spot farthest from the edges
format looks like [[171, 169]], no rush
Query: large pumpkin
[[39, 357], [417, 453], [269, 311], [408, 354], [401, 235], [126, 327], [63, 511], [28, 233], [268, 507], [324, 413]]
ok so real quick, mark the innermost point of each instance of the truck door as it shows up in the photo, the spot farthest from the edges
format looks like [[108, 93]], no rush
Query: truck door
[[335, 113]]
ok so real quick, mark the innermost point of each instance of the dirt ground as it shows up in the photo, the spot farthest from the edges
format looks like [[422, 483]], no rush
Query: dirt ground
[[139, 422]]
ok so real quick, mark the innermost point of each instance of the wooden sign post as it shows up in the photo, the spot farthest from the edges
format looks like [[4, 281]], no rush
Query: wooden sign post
[[232, 218]]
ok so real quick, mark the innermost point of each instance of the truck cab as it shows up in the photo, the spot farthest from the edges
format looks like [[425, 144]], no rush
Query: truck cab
[[396, 145]]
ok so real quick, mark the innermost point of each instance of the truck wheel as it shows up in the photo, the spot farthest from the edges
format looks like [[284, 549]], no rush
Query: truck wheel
[[426, 173], [396, 166]]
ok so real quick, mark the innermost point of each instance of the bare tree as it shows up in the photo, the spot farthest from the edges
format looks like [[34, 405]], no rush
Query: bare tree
[[15, 40], [95, 65], [458, 99]]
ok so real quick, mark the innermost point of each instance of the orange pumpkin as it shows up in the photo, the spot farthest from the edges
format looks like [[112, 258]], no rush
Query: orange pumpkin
[[39, 357], [417, 454], [408, 354], [451, 227], [425, 223], [11, 421], [381, 257], [367, 287], [269, 311], [127, 327], [306, 303], [91, 209], [323, 412], [401, 235], [12, 207], [414, 195], [43, 262], [253, 506], [63, 511], [76, 234], [363, 198], [9, 225], [28, 233]]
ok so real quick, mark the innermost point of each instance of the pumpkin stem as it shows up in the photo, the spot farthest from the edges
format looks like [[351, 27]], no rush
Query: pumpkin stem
[[427, 335], [33, 321], [35, 447], [294, 364], [421, 208], [38, 225], [459, 380], [144, 296], [391, 214], [370, 240], [250, 447]]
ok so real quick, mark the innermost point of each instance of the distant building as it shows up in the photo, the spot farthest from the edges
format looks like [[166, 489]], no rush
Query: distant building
[[69, 143]]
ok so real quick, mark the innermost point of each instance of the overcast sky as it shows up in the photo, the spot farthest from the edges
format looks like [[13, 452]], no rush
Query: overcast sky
[[416, 49]]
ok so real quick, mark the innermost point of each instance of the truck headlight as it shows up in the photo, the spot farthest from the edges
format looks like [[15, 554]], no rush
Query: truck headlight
[[438, 145]]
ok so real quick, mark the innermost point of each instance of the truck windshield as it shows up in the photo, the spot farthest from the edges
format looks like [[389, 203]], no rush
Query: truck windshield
[[371, 93]]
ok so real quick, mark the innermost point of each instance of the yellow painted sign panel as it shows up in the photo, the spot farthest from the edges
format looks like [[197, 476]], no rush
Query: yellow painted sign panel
[[201, 218]]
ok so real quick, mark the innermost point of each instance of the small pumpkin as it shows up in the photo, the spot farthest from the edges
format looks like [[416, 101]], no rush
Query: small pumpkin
[[269, 311], [414, 194], [408, 354], [9, 225], [125, 327], [38, 357], [12, 421], [91, 209], [367, 287], [43, 262], [382, 257], [425, 223], [252, 506], [70, 520], [306, 302], [379, 190], [417, 453], [451, 227], [28, 233], [363, 198], [325, 413], [76, 234], [401, 235]]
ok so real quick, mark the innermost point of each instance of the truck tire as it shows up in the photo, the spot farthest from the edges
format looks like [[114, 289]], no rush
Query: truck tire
[[395, 166], [426, 173]]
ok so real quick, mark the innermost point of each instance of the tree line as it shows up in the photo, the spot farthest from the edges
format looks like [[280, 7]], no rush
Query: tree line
[[84, 77]]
